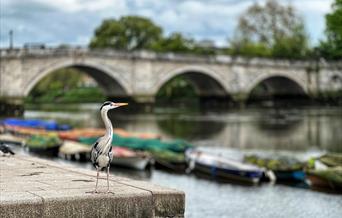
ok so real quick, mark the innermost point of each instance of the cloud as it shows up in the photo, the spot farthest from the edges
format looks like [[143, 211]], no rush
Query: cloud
[[73, 21]]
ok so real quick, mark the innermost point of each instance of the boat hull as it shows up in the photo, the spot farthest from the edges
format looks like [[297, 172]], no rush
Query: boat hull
[[138, 163], [51, 151], [10, 139], [319, 183], [290, 176], [228, 175], [174, 167]]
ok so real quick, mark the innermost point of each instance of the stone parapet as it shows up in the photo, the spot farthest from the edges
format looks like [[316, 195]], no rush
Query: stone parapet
[[33, 187]]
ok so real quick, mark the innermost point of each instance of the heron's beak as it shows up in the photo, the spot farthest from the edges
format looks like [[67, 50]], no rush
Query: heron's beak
[[120, 104]]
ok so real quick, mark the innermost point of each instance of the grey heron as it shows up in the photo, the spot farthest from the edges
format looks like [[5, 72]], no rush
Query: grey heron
[[101, 151]]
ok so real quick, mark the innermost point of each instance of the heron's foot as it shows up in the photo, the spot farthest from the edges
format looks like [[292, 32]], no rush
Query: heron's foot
[[109, 192], [93, 192]]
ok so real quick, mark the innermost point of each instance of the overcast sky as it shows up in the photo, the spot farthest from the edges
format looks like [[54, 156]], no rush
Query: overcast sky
[[73, 21]]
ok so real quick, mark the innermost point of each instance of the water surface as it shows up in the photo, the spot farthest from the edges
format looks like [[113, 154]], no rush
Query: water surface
[[299, 133]]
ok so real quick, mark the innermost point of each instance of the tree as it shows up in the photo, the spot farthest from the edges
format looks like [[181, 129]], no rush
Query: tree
[[64, 85], [128, 33], [331, 48], [270, 30], [176, 42], [63, 79]]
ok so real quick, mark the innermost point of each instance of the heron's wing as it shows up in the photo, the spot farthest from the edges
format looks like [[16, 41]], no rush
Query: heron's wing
[[110, 155], [95, 150]]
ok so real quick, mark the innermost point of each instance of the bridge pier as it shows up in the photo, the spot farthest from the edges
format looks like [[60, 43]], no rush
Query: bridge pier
[[11, 106], [144, 99], [240, 99]]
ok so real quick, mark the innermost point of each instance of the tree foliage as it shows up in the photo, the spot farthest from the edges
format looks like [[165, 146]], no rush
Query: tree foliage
[[270, 30], [176, 42], [135, 33], [63, 79], [64, 85], [331, 48], [177, 90], [128, 33]]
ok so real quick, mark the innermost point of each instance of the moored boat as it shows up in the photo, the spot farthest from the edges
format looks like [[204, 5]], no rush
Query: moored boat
[[331, 159], [141, 135], [36, 123], [75, 134], [222, 169], [72, 150], [330, 178], [11, 139], [169, 160], [167, 155], [285, 169], [127, 158], [289, 175], [94, 133], [27, 131], [134, 143], [45, 145]]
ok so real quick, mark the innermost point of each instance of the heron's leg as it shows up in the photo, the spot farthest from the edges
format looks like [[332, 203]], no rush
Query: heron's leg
[[108, 179], [97, 178]]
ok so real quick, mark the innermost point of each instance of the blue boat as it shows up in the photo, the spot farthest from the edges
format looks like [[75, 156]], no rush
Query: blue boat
[[290, 175], [36, 123], [221, 168]]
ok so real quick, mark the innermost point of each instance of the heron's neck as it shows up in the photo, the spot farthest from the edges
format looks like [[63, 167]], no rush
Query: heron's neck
[[108, 125]]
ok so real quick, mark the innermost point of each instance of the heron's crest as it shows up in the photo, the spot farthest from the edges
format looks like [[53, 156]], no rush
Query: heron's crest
[[105, 103]]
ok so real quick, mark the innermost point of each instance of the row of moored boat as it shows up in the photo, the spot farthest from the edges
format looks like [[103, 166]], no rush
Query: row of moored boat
[[142, 150]]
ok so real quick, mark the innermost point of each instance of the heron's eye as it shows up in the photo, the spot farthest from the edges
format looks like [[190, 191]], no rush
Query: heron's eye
[[104, 104]]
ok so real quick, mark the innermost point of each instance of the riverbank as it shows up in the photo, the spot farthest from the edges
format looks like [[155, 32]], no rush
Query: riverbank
[[40, 188]]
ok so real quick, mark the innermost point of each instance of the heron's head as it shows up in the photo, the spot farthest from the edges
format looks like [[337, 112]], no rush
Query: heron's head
[[108, 105]]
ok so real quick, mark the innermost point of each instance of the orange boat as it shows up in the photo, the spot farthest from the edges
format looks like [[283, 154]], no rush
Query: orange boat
[[26, 131], [124, 133], [75, 134]]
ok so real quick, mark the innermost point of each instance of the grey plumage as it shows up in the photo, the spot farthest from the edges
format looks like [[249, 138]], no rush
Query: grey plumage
[[101, 151]]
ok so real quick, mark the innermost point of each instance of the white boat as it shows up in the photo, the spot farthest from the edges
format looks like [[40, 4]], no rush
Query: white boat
[[127, 158], [11, 139], [72, 150], [221, 168]]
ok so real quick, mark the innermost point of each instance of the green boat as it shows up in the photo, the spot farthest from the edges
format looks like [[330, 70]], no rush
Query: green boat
[[178, 146], [168, 155], [330, 178], [169, 160], [287, 170], [331, 159], [46, 145]]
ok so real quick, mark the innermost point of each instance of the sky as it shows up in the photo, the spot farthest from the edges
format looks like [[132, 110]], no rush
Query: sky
[[55, 22]]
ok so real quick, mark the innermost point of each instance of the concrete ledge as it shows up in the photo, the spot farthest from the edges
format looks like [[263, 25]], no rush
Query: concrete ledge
[[33, 187]]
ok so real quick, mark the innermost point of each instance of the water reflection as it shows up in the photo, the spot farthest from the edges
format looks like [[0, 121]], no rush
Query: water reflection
[[296, 131], [190, 127], [287, 129]]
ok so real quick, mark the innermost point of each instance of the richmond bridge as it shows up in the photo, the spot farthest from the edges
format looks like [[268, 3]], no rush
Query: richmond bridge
[[140, 75]]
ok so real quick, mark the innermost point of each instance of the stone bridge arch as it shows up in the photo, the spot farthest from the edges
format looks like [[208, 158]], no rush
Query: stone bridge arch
[[294, 82], [205, 81], [108, 79]]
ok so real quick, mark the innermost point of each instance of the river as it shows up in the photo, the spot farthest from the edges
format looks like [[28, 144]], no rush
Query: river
[[301, 133]]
